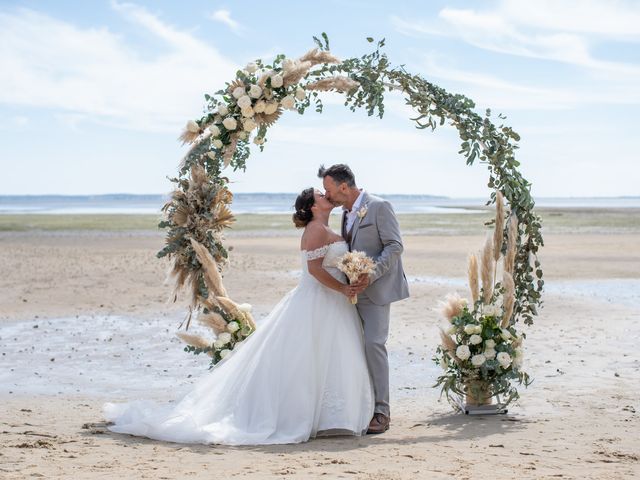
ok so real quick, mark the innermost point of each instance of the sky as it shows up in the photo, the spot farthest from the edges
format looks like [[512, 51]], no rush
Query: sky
[[94, 94]]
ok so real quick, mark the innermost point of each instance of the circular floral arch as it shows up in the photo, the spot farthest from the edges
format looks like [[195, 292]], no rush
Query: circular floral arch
[[199, 209]]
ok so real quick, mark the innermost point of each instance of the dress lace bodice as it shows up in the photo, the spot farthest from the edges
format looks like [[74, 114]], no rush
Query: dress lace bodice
[[331, 252]]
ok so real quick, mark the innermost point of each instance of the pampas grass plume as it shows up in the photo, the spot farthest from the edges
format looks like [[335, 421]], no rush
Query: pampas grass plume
[[486, 270], [512, 244], [473, 277], [509, 298], [453, 306]]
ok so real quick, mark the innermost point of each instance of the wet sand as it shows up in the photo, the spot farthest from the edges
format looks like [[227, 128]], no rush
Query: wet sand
[[84, 318]]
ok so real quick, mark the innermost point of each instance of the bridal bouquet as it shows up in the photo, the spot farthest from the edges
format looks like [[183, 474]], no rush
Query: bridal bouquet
[[355, 264], [481, 350]]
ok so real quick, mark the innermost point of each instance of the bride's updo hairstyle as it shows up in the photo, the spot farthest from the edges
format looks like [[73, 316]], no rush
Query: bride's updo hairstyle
[[304, 202]]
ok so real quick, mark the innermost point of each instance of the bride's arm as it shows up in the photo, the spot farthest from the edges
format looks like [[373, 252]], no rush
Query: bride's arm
[[325, 278]]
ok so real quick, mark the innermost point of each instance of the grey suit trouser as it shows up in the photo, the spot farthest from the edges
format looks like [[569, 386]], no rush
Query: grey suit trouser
[[375, 322]]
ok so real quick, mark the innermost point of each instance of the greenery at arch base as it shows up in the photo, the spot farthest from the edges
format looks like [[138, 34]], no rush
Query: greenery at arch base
[[241, 113]]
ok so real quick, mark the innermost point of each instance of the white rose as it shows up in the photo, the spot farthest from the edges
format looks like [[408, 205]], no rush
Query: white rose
[[247, 112], [249, 124], [217, 143], [211, 155], [506, 335], [224, 353], [243, 135], [288, 102], [463, 352], [489, 353], [238, 92], [504, 359], [259, 106], [215, 131], [255, 91], [469, 329], [192, 126], [478, 329], [244, 101], [258, 140], [251, 68], [233, 327], [230, 123], [270, 108], [218, 344], [491, 311], [245, 307], [475, 339], [477, 360], [224, 337], [300, 93], [276, 81], [222, 109], [490, 344]]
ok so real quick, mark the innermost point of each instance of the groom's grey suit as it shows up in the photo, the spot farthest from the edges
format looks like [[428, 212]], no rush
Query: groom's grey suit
[[378, 235]]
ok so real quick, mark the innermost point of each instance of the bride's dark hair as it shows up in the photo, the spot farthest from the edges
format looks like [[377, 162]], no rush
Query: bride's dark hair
[[304, 202]]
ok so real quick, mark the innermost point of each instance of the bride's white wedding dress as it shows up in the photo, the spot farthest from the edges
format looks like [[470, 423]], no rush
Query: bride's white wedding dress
[[303, 371]]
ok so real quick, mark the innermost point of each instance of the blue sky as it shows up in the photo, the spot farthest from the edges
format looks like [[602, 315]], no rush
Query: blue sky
[[93, 94]]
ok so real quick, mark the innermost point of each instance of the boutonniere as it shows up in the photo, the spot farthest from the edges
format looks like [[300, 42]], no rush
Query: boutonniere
[[362, 212]]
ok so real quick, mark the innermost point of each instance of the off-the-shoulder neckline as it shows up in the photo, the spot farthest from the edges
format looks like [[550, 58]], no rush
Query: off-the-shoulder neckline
[[324, 246]]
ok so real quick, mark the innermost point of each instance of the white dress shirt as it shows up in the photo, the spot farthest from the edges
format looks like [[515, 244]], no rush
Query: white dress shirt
[[353, 213]]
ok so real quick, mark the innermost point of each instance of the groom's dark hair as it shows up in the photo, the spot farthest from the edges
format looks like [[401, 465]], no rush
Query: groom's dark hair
[[340, 173]]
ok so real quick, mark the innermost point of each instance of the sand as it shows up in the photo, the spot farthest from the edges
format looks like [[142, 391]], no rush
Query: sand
[[84, 318]]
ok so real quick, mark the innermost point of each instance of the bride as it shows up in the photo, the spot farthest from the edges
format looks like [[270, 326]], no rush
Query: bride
[[302, 373]]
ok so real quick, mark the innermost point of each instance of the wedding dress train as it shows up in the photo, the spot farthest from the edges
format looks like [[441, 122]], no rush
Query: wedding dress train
[[301, 373]]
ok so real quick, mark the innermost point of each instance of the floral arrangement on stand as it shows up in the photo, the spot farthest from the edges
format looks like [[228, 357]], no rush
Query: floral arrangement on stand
[[481, 350]]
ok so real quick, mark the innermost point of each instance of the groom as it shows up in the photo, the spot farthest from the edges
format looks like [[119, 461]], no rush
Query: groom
[[370, 225]]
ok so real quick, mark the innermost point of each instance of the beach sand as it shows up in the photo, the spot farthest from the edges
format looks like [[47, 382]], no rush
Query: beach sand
[[84, 319]]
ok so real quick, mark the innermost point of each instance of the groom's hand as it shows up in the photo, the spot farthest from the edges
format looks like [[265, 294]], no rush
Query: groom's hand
[[362, 283]]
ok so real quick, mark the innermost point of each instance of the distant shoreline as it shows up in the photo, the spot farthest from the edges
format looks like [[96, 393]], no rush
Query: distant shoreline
[[554, 220]]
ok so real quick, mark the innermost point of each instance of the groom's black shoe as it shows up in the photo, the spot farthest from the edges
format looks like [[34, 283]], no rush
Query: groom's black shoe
[[379, 423]]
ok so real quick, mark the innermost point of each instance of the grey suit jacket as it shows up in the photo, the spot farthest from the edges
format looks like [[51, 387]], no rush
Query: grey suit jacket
[[377, 233]]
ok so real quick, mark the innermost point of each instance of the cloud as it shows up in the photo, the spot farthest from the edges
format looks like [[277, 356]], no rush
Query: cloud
[[98, 74], [224, 16], [489, 89], [547, 30]]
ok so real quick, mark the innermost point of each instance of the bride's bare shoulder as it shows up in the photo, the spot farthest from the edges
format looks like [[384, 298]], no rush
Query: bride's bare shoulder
[[315, 235]]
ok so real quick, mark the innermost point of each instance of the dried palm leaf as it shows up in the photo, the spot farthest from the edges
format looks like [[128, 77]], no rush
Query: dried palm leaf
[[223, 217], [235, 84], [268, 119]]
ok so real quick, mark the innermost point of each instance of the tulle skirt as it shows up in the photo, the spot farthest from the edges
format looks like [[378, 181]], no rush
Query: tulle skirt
[[301, 373]]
